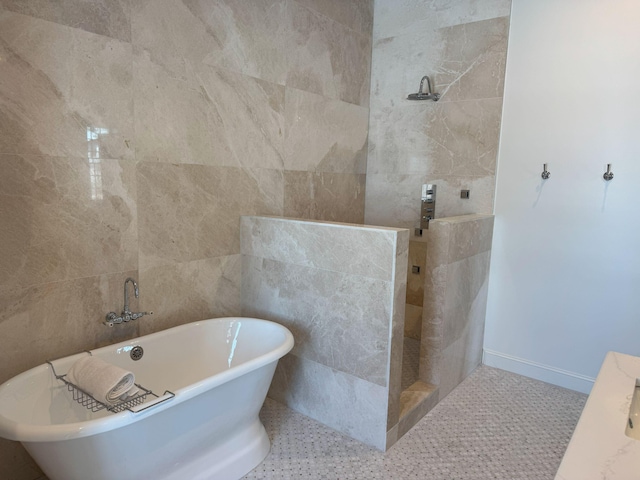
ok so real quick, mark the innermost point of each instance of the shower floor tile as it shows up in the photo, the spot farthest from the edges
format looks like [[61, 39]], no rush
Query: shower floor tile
[[495, 425]]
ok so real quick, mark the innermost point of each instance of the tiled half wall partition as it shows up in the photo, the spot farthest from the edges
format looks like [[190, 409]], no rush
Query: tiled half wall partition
[[455, 299], [340, 289]]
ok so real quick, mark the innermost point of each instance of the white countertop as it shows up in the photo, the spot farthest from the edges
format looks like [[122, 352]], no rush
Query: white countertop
[[599, 448]]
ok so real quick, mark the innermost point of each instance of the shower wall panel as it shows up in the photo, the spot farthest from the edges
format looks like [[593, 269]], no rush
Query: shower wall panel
[[340, 289]]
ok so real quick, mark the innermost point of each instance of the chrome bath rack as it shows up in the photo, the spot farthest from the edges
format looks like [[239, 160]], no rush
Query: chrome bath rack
[[135, 404]]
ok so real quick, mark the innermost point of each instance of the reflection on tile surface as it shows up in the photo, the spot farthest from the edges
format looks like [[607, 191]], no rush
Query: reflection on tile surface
[[56, 84], [65, 218]]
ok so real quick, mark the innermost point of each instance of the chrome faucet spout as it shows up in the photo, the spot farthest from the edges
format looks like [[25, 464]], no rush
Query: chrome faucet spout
[[127, 315], [136, 292]]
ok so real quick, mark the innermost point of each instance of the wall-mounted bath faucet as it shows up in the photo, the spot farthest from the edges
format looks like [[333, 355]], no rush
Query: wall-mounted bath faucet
[[608, 175], [112, 318]]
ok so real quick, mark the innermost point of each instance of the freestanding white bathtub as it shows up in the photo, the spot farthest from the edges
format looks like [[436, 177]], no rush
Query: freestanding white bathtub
[[218, 369]]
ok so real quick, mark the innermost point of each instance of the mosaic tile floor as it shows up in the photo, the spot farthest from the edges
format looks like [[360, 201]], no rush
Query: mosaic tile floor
[[495, 425]]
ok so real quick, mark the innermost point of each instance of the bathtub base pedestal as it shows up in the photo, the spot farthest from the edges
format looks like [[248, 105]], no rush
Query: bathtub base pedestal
[[233, 459]]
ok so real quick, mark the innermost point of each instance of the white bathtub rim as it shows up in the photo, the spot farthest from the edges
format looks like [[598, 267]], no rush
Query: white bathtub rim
[[12, 430]]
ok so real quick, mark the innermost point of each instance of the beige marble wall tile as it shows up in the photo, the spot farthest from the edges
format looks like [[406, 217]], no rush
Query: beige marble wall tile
[[470, 235], [59, 319], [247, 118], [357, 250], [65, 218], [403, 17], [191, 291], [355, 14], [413, 321], [464, 355], [325, 135], [343, 402], [396, 339], [109, 18], [433, 312], [466, 296], [192, 212], [464, 62], [63, 91], [326, 58], [455, 300], [245, 37], [336, 197], [415, 281], [447, 138], [464, 137], [339, 320], [216, 117], [398, 65], [474, 59]]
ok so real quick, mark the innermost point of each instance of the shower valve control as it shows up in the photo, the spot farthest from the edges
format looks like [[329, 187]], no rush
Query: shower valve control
[[428, 205]]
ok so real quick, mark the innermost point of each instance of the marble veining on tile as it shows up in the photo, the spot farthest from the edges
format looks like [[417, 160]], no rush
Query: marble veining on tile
[[190, 212], [345, 403], [104, 17], [366, 251], [248, 38], [65, 218], [313, 195], [63, 91], [355, 14], [327, 58], [325, 135], [339, 320]]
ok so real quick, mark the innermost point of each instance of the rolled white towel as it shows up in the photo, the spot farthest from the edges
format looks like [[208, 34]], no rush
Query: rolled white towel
[[103, 381]]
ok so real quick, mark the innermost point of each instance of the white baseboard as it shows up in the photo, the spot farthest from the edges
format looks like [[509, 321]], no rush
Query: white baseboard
[[545, 373]]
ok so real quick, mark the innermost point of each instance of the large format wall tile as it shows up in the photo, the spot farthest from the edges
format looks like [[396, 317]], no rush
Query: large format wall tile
[[353, 249], [216, 117], [336, 197], [191, 291], [474, 60], [324, 135], [65, 218], [337, 319], [455, 299], [448, 138], [59, 319], [341, 401], [191, 212], [246, 37], [63, 91], [104, 17], [410, 17], [327, 58], [355, 14]]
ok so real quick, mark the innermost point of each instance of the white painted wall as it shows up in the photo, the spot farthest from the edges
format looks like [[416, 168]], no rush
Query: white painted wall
[[565, 272]]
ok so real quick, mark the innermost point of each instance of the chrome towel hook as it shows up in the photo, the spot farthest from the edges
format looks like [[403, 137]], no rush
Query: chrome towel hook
[[608, 175], [545, 173]]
